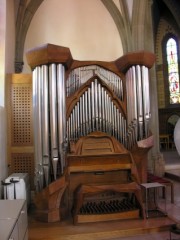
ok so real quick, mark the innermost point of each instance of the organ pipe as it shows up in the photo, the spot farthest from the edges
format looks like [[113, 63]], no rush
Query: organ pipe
[[80, 75], [146, 99], [37, 128], [49, 110], [139, 101], [61, 105], [138, 104], [45, 124], [96, 108], [53, 117], [39, 137]]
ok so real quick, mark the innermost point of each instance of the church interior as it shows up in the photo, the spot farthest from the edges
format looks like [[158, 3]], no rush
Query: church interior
[[89, 119]]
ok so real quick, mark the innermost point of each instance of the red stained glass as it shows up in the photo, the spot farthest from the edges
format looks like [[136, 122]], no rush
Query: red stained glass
[[173, 72]]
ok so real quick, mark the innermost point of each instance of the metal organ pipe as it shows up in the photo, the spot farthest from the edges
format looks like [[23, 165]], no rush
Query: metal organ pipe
[[95, 111], [93, 106], [128, 79], [39, 175], [80, 75], [135, 102], [83, 116], [146, 99], [89, 110], [86, 112], [45, 124], [78, 121], [61, 105], [39, 111], [115, 122], [35, 123], [53, 117], [99, 107], [106, 112], [134, 90], [103, 110], [96, 102], [138, 103], [49, 110], [132, 107]]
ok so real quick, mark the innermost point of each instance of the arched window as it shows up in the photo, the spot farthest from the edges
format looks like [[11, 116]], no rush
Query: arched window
[[172, 70]]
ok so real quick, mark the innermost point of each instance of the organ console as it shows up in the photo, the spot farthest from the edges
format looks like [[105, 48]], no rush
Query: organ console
[[91, 134]]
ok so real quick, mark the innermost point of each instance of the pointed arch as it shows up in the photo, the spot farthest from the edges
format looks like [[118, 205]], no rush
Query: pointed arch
[[24, 17], [170, 50], [118, 19]]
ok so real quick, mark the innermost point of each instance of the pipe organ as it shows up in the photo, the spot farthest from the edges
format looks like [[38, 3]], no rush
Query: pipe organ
[[91, 133]]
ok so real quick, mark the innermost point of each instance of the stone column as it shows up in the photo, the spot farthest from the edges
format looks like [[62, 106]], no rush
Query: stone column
[[155, 158]]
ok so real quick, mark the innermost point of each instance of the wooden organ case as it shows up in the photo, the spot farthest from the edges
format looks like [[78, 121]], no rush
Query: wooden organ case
[[92, 136]]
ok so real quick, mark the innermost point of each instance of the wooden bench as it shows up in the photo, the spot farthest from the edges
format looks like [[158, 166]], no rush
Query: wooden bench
[[152, 178]]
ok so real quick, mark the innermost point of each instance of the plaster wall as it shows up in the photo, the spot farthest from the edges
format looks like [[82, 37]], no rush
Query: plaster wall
[[7, 53], [3, 167], [85, 27], [2, 49]]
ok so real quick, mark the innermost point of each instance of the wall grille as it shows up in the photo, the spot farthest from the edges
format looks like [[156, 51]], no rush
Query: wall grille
[[21, 114], [23, 163], [20, 150]]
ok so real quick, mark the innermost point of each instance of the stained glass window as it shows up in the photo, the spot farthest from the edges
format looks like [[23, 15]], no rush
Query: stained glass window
[[173, 72]]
